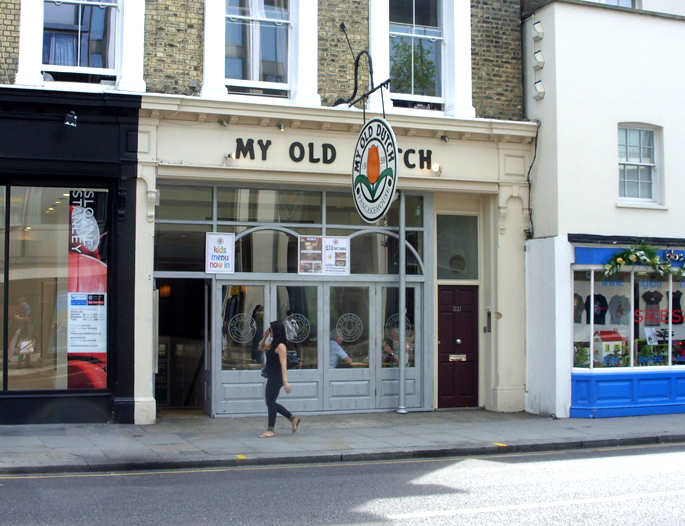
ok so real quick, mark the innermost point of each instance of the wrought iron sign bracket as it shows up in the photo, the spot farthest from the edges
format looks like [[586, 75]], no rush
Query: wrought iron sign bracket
[[352, 100]]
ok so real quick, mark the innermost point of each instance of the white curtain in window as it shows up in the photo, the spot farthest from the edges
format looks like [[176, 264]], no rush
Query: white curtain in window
[[63, 50]]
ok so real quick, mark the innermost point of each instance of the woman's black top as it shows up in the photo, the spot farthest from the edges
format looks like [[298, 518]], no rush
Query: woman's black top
[[273, 365]]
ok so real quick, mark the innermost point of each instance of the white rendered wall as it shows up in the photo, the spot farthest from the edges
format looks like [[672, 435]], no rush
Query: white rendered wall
[[549, 356], [602, 67], [622, 72], [673, 7]]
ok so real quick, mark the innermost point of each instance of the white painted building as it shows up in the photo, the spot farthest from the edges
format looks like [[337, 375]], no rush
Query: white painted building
[[606, 84]]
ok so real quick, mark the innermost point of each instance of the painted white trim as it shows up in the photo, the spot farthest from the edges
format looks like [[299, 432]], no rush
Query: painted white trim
[[305, 51], [30, 44], [131, 42], [129, 57], [457, 75], [302, 62]]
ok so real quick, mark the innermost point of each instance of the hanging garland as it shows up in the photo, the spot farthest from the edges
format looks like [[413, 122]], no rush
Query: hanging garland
[[641, 255]]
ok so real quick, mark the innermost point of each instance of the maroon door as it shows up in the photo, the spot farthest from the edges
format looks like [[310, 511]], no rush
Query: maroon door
[[457, 346]]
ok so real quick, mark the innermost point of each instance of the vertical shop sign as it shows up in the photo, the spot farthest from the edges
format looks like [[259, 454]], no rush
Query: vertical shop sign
[[374, 170], [87, 283], [220, 253], [324, 256]]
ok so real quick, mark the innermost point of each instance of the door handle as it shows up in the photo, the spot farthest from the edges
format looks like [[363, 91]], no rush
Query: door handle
[[457, 341]]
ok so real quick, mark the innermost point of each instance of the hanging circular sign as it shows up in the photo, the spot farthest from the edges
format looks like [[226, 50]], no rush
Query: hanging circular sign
[[374, 170]]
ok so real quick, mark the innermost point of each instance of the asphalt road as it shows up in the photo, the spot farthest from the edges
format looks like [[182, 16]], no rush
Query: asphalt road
[[621, 486]]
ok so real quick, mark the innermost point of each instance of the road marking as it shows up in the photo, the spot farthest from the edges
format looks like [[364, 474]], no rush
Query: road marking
[[500, 444], [533, 505], [484, 458], [241, 457]]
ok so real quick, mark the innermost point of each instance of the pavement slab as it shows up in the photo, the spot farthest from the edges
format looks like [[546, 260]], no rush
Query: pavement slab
[[174, 443]]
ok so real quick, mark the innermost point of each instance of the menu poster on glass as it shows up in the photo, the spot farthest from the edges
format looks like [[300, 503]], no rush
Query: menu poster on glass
[[220, 253], [324, 256]]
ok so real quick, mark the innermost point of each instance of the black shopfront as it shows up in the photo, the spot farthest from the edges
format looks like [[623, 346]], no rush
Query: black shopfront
[[68, 166]]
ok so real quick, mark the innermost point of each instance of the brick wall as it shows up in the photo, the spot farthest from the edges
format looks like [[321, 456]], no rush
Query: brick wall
[[336, 63], [9, 40], [496, 54], [174, 45], [496, 59]]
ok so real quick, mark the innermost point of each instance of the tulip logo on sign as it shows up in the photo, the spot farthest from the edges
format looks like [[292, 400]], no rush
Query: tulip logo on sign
[[374, 170]]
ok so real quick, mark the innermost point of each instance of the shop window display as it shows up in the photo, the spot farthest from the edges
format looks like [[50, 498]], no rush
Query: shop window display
[[635, 311], [56, 288]]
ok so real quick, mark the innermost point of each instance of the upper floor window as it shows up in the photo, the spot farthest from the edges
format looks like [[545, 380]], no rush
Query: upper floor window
[[88, 45], [416, 40], [637, 163], [257, 44], [262, 48], [424, 48], [79, 39], [621, 3]]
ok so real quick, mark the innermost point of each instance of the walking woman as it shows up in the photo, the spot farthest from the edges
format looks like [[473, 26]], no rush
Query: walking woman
[[276, 376]]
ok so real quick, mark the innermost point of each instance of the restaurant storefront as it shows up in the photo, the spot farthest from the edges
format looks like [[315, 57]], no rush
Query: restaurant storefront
[[276, 183]]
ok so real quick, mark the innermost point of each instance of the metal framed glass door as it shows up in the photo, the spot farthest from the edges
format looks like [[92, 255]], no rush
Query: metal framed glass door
[[349, 383], [241, 308], [342, 334], [299, 308], [389, 326], [245, 311]]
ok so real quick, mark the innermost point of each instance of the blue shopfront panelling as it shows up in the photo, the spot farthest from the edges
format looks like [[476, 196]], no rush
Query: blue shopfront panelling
[[597, 394]]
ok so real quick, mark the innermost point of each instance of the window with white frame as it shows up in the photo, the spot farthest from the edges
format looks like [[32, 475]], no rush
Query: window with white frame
[[257, 46], [633, 319], [621, 3], [416, 41], [78, 44], [637, 163], [424, 48], [79, 39], [262, 51]]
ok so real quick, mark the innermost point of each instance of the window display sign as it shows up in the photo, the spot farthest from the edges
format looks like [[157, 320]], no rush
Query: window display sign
[[87, 285], [324, 256], [220, 253], [87, 323]]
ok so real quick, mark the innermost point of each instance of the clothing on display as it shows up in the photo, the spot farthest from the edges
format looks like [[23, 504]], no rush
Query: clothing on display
[[599, 308], [578, 308], [652, 309], [678, 315], [619, 309]]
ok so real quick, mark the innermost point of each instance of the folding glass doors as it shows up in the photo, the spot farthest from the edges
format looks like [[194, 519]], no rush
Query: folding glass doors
[[346, 335]]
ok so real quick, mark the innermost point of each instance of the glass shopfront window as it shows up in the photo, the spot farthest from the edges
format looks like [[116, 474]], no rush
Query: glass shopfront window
[[181, 247], [56, 275], [458, 242], [340, 210], [246, 205], [632, 319], [392, 326], [186, 213], [268, 250], [297, 307], [242, 312], [349, 331]]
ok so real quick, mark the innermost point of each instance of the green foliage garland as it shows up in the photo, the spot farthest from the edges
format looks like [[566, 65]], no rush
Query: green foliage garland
[[641, 255]]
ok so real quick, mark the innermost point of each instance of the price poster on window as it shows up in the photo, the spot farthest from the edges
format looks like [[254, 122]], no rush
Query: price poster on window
[[220, 253], [87, 314], [324, 256], [87, 284]]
